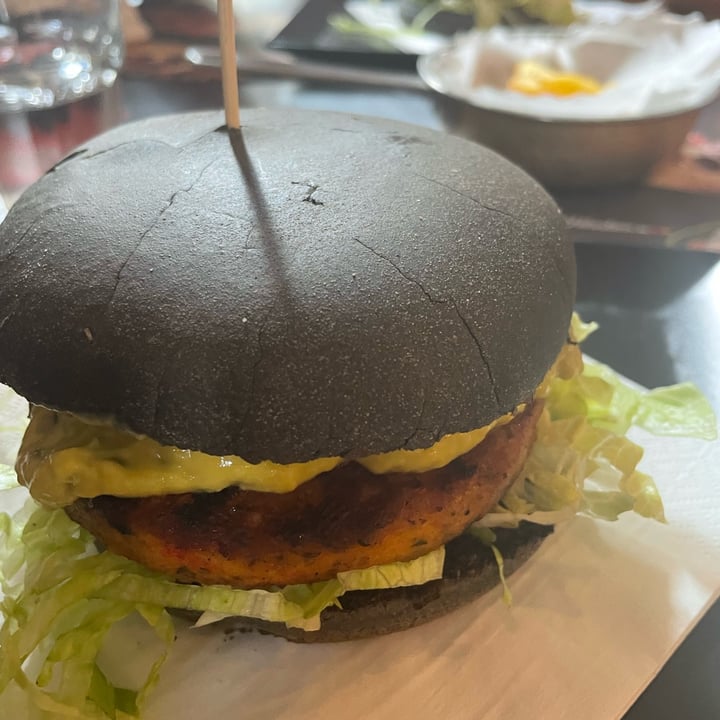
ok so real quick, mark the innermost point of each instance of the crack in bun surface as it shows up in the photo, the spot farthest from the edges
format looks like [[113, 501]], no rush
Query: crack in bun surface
[[338, 286]]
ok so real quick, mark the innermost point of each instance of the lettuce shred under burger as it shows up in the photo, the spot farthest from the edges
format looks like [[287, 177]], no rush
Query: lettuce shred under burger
[[61, 597]]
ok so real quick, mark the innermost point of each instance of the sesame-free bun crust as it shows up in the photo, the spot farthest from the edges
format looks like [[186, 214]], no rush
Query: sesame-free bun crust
[[335, 285]]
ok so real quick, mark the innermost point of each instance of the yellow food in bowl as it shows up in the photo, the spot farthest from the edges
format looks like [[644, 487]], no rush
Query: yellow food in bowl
[[533, 78]]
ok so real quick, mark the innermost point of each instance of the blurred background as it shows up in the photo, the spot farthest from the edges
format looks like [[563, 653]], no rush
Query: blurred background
[[613, 106], [59, 61]]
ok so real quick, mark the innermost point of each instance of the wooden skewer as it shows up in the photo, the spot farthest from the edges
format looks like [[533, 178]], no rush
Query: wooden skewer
[[228, 55]]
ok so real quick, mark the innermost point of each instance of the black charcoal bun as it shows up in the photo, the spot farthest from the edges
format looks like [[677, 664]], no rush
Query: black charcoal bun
[[470, 570], [333, 285]]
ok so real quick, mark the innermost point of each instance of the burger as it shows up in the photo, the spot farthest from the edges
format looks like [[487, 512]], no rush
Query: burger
[[267, 363]]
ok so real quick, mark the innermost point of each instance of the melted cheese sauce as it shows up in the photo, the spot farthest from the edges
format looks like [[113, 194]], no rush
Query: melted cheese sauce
[[438, 455], [63, 458]]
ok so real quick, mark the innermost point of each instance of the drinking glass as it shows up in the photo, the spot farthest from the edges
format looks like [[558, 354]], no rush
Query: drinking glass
[[55, 51]]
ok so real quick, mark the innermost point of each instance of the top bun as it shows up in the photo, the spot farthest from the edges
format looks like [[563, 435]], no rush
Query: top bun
[[335, 285]]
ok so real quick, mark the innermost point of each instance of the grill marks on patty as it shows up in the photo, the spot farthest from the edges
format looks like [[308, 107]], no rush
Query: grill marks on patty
[[344, 519]]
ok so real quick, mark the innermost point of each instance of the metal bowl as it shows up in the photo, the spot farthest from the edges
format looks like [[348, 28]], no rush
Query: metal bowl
[[572, 153]]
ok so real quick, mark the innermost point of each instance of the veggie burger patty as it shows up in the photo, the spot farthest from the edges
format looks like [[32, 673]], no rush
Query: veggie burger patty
[[340, 520]]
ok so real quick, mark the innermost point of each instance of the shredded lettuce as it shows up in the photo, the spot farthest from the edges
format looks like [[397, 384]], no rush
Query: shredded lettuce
[[61, 597], [487, 537], [580, 330], [678, 410], [311, 600], [582, 462]]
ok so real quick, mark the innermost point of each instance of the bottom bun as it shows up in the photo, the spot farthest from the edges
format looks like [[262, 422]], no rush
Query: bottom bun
[[470, 571]]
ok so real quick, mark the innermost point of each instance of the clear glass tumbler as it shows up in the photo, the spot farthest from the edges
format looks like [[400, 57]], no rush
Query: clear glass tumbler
[[56, 51]]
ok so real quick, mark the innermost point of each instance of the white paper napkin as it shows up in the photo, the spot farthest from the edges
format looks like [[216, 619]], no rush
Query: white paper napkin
[[597, 612]]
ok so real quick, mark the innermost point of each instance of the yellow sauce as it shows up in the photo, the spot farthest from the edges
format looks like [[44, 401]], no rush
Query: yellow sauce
[[438, 455], [63, 458]]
